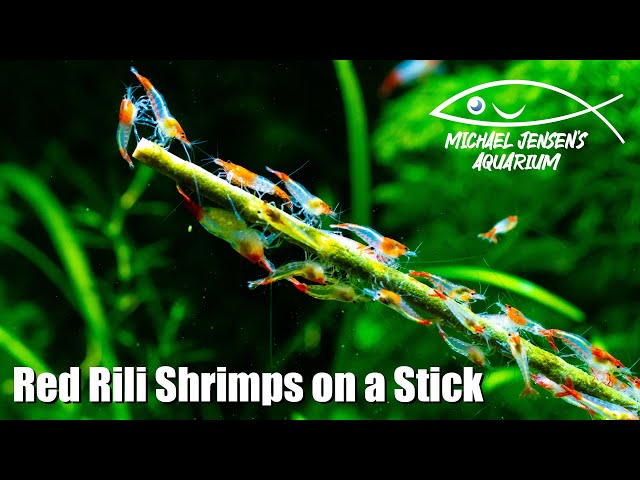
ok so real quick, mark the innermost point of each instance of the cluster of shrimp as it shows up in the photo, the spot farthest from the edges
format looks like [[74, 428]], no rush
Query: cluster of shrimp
[[308, 276], [149, 110], [323, 282], [600, 364]]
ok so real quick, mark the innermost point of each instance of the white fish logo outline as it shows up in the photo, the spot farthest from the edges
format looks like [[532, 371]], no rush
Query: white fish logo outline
[[437, 112]]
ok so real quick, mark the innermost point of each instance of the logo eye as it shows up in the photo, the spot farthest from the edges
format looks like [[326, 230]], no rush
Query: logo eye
[[476, 105]]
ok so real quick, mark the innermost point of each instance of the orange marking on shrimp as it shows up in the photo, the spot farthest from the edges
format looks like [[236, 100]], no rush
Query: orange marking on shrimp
[[386, 246], [243, 177], [126, 118], [569, 390], [515, 315], [601, 356], [397, 303], [548, 334], [438, 294], [413, 273], [392, 248]]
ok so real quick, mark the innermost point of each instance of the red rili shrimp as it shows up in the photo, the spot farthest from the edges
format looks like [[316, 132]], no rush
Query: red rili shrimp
[[602, 407], [525, 323], [594, 357], [386, 246], [396, 302], [313, 206], [245, 240], [469, 350], [339, 292], [242, 177], [519, 352], [463, 314], [559, 391], [167, 127], [352, 244], [127, 117], [309, 270], [503, 226], [450, 289]]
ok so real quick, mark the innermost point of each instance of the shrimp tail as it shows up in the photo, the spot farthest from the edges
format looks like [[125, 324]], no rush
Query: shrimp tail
[[299, 285], [143, 80], [490, 235], [266, 264], [253, 284], [126, 156], [528, 392], [282, 176]]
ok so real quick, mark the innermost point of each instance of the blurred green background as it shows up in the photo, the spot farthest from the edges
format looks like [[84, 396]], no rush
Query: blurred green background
[[97, 258]]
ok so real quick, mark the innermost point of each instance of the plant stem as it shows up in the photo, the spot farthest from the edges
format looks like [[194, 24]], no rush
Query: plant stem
[[329, 251], [358, 135]]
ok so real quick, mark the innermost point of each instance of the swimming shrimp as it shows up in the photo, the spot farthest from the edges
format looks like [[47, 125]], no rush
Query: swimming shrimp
[[503, 226], [407, 72]]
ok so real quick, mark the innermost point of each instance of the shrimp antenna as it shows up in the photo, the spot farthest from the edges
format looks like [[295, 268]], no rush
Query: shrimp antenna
[[296, 170], [209, 160], [503, 285], [337, 214], [299, 168], [634, 364], [195, 180], [174, 210], [195, 143], [234, 209]]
